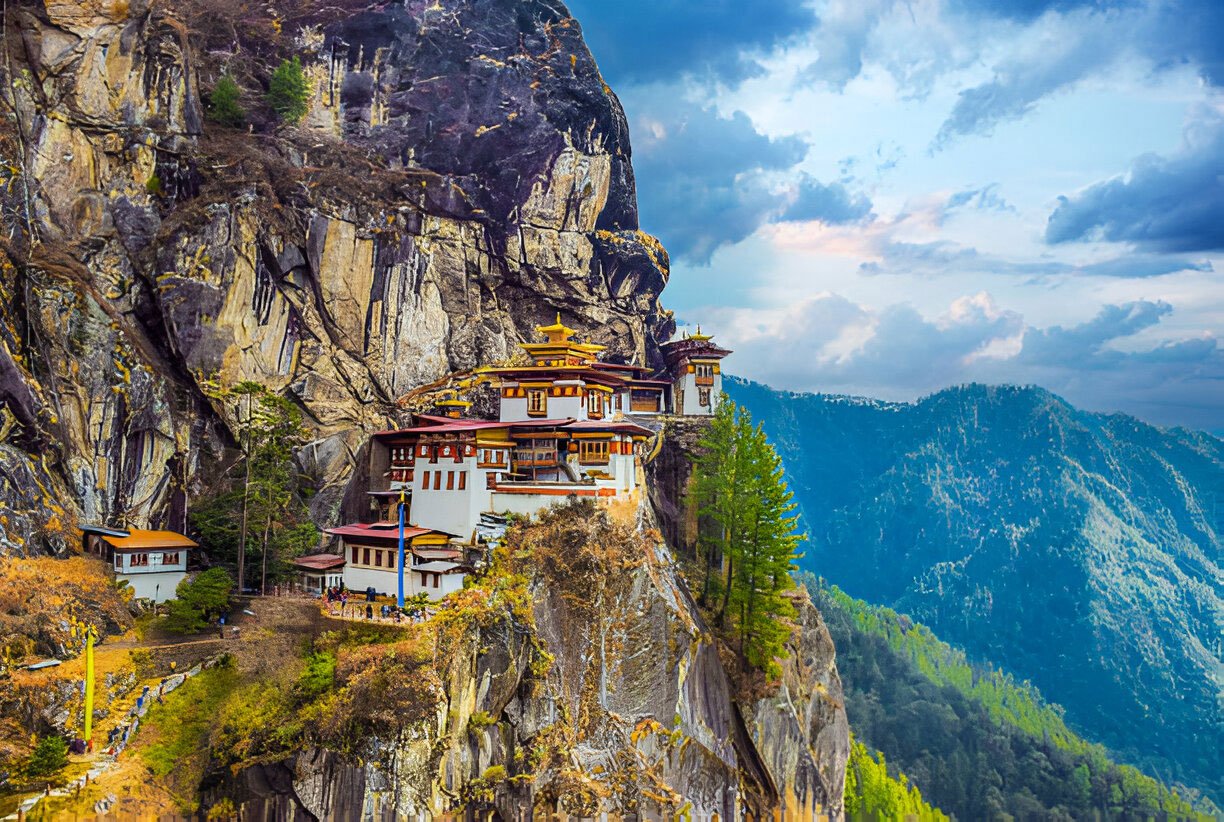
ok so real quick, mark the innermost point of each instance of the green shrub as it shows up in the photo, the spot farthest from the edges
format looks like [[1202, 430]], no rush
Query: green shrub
[[479, 720], [199, 601], [289, 91], [48, 758], [223, 105], [153, 185]]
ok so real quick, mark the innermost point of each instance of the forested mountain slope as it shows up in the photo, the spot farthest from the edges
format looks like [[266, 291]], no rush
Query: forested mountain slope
[[1079, 550], [975, 741]]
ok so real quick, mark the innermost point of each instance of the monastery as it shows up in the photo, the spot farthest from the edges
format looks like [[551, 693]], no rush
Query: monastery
[[568, 424]]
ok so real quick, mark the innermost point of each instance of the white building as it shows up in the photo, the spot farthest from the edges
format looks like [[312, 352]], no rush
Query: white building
[[696, 373], [371, 560], [152, 562], [563, 429]]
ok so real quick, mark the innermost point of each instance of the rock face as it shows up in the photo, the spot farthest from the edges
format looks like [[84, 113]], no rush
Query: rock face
[[463, 175], [632, 717]]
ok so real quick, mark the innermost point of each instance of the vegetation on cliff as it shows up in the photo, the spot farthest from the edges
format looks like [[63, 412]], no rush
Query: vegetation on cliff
[[981, 744], [747, 546], [257, 504]]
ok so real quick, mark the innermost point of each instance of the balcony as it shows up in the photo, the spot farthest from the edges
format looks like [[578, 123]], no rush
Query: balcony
[[704, 381], [535, 458]]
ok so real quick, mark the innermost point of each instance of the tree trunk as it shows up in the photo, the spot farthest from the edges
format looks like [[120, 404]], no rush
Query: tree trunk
[[722, 611], [246, 492], [263, 574]]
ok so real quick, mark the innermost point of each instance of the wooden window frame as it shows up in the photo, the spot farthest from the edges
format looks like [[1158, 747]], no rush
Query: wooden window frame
[[377, 557], [537, 402], [450, 480], [365, 556], [463, 480], [593, 452], [437, 481]]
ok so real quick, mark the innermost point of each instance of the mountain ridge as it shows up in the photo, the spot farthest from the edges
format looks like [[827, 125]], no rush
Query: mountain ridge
[[1068, 546]]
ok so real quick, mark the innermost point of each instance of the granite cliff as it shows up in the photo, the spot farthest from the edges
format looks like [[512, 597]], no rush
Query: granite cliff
[[597, 690], [463, 174]]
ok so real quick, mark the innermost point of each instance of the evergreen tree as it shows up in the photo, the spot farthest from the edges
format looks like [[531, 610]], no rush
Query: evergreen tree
[[714, 491], [289, 92], [270, 495], [766, 555], [223, 105], [277, 485], [748, 533], [49, 757], [200, 600]]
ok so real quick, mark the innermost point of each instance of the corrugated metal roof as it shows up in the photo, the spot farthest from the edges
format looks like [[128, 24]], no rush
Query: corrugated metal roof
[[437, 567], [138, 538]]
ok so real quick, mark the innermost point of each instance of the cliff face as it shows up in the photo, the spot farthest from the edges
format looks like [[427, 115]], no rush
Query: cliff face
[[607, 698], [463, 175], [1079, 551]]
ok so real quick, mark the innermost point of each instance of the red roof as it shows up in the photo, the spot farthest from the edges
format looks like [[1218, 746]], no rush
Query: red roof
[[614, 427], [449, 427], [319, 562], [380, 530]]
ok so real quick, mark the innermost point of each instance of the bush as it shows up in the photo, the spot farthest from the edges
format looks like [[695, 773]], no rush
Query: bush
[[48, 758], [153, 185], [289, 91], [199, 601], [478, 720], [223, 106]]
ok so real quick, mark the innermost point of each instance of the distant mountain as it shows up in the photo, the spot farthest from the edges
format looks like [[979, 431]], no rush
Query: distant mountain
[[1081, 551]]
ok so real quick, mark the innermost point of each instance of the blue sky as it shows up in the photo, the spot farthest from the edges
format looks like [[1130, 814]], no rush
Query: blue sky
[[885, 198]]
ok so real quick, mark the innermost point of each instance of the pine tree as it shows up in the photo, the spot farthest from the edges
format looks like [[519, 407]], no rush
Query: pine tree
[[270, 494], [289, 91], [223, 106], [748, 535], [766, 557], [714, 489], [281, 432]]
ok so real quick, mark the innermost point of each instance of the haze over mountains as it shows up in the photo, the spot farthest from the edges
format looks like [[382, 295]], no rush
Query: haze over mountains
[[1078, 550]]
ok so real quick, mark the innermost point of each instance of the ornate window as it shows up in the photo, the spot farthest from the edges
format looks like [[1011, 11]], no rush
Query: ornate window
[[703, 396], [537, 402]]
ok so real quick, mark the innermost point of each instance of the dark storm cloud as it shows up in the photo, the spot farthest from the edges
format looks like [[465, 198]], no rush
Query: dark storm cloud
[[1173, 204], [701, 176], [648, 42]]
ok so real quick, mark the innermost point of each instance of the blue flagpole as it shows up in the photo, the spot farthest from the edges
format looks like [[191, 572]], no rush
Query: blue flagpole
[[401, 549]]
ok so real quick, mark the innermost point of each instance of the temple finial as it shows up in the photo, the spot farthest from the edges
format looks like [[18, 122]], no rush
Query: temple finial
[[558, 318]]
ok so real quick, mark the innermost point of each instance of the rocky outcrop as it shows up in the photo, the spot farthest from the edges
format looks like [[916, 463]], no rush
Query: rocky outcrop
[[463, 175], [610, 698]]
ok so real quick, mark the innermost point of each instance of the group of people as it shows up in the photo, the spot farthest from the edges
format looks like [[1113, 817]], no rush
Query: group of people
[[372, 609]]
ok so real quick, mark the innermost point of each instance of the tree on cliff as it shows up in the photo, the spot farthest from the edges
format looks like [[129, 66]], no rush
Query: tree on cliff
[[270, 493], [286, 531], [748, 534], [289, 92], [223, 105]]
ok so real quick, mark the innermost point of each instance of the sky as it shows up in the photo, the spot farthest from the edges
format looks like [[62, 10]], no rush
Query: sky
[[886, 198]]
